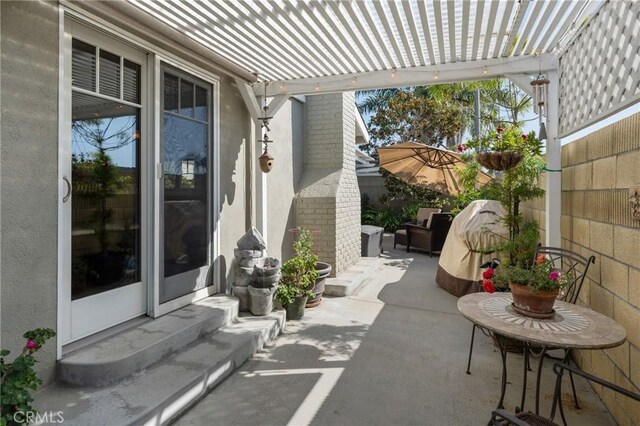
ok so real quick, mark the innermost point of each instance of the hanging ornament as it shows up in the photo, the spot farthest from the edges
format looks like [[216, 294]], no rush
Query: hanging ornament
[[265, 160], [540, 87]]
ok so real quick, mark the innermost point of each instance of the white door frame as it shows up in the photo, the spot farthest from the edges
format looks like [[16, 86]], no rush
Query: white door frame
[[150, 159]]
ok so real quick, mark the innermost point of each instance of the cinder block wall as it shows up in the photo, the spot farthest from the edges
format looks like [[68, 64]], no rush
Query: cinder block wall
[[329, 200], [597, 172]]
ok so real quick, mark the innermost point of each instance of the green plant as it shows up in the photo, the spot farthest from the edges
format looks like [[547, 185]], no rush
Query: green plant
[[298, 273], [508, 138], [19, 378], [539, 277]]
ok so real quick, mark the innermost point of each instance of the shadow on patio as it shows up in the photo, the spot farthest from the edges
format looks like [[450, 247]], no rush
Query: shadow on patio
[[394, 353]]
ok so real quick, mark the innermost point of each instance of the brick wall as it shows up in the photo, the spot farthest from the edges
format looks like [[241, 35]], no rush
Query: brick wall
[[597, 172], [329, 201]]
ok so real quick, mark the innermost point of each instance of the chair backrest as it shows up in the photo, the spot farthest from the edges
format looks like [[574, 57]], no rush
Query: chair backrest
[[440, 224], [571, 263], [423, 215]]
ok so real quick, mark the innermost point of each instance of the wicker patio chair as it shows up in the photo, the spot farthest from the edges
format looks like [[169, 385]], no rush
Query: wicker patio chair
[[422, 218], [431, 237]]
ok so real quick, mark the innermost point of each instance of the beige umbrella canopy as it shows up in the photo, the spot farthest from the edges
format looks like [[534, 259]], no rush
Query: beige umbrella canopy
[[426, 166]]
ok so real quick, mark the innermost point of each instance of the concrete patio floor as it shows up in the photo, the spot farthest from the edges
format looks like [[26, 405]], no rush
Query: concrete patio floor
[[394, 353]]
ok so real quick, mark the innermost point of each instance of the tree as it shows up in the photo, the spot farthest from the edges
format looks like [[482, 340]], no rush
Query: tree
[[408, 117]]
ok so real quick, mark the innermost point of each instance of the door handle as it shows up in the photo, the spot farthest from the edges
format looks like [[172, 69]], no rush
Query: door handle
[[66, 197]]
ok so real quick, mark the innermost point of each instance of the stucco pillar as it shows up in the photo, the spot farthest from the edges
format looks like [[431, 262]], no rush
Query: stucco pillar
[[329, 201], [554, 177]]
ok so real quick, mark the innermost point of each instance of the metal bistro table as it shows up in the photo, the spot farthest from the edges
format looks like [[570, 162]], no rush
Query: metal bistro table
[[572, 327]]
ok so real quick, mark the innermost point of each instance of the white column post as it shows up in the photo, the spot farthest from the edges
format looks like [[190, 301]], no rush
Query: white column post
[[554, 164], [260, 184]]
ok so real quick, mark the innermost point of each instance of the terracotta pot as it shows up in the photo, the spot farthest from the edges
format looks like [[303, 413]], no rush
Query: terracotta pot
[[499, 160], [533, 304]]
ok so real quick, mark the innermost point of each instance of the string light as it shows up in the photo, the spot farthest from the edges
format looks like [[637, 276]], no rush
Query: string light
[[436, 75], [354, 80], [393, 73], [484, 70], [317, 86], [282, 85]]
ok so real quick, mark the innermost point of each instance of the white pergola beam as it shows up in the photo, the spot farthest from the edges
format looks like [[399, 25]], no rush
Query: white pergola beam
[[249, 98], [465, 30], [489, 30], [503, 28], [451, 72], [477, 29], [523, 6], [553, 190], [526, 33], [427, 32], [382, 16], [522, 81]]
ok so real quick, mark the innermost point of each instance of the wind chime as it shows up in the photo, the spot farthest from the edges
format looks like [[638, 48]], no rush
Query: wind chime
[[540, 87], [266, 160]]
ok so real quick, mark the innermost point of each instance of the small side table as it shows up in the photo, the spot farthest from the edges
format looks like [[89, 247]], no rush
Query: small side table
[[371, 240]]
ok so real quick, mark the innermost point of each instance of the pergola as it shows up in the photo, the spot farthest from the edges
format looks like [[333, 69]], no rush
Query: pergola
[[304, 47]]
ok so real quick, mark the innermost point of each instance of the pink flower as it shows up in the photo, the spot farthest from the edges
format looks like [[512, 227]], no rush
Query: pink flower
[[540, 259], [488, 286], [523, 136], [499, 130], [488, 273], [31, 344], [554, 275]]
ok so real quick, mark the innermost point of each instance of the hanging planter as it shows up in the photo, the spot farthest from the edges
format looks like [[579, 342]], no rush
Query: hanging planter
[[499, 160]]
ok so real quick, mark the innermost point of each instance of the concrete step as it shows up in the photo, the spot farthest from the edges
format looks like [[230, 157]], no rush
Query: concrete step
[[125, 353], [159, 394], [349, 281]]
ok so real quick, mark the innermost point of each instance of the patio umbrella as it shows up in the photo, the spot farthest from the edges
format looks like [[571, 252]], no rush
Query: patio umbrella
[[425, 166]]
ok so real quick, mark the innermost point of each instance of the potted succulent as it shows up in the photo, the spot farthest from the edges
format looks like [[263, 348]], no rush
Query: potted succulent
[[298, 277]]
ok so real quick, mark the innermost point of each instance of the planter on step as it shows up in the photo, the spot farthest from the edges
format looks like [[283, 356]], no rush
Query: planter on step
[[266, 272], [261, 300], [242, 293]]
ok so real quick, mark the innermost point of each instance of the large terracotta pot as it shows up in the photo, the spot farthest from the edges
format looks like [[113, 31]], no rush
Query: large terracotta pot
[[324, 269], [533, 304]]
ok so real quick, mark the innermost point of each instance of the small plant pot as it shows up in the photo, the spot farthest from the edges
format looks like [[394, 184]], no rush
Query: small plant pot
[[261, 300], [533, 304], [242, 293], [295, 310]]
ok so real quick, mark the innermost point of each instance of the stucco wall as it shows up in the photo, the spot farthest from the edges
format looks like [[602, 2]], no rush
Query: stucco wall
[[29, 182], [597, 171], [283, 182], [235, 137], [372, 187]]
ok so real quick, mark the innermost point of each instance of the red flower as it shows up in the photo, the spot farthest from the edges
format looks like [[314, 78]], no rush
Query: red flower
[[523, 136], [461, 147], [488, 286], [540, 259], [488, 273], [499, 130], [31, 345]]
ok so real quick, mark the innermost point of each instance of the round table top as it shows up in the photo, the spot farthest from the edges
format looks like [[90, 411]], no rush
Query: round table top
[[572, 326]]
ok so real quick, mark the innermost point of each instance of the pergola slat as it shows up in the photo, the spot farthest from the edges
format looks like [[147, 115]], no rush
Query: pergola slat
[[488, 34], [541, 23], [465, 30], [361, 36], [403, 35], [382, 16], [553, 27], [373, 29], [351, 66], [477, 29], [525, 35], [300, 33], [503, 28], [286, 40], [427, 32], [437, 10], [523, 7], [451, 18], [414, 32], [341, 35]]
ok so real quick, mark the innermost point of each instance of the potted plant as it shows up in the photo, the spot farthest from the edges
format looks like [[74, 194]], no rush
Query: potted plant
[[503, 148], [298, 277]]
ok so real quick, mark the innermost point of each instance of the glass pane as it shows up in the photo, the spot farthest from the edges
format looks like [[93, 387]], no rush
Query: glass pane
[[131, 82], [109, 74], [171, 96], [83, 65], [186, 98], [105, 242], [185, 195], [201, 104]]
